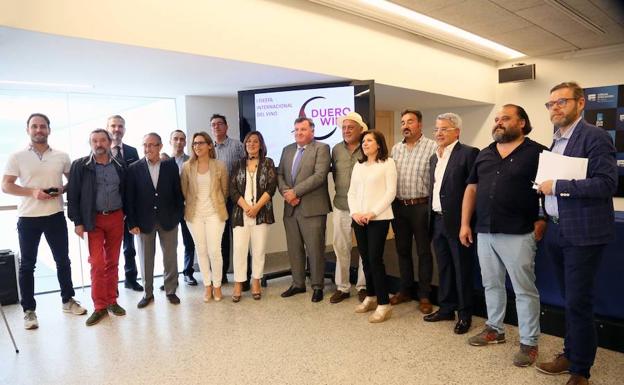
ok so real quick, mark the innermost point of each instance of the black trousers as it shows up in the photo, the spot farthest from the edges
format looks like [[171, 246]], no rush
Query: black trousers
[[129, 252], [576, 268], [189, 249], [371, 240], [411, 222], [455, 271], [29, 231], [226, 239]]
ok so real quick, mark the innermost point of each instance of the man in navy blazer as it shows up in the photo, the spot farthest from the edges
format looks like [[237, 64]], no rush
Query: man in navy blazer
[[449, 170], [581, 224], [155, 206], [116, 127]]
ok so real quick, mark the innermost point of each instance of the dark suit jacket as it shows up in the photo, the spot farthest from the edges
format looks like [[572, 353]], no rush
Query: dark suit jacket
[[146, 205], [586, 206], [311, 182], [130, 154], [453, 185]]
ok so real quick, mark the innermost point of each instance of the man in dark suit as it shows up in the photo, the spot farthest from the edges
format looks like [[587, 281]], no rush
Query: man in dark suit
[[450, 167], [302, 180], [155, 206], [177, 139], [581, 224], [116, 127]]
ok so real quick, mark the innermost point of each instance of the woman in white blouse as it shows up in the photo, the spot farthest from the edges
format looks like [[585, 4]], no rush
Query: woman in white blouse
[[205, 186], [370, 196]]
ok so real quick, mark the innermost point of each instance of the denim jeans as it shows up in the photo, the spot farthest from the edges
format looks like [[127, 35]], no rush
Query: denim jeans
[[29, 230], [515, 254]]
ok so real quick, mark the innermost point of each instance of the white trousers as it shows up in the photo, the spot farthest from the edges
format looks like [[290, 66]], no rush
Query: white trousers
[[342, 248], [207, 233], [242, 237]]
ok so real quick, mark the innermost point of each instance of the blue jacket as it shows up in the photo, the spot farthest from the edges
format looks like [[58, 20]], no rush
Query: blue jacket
[[586, 214]]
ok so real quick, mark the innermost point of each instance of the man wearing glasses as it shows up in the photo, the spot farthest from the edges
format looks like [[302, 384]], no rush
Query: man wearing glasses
[[229, 151], [450, 167], [581, 219], [154, 206]]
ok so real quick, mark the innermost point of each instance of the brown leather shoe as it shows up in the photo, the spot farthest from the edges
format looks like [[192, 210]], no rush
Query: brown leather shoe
[[338, 296], [576, 379], [361, 294], [400, 298], [560, 365], [425, 306]]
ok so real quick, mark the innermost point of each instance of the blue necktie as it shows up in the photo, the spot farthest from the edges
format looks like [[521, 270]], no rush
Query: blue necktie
[[296, 161]]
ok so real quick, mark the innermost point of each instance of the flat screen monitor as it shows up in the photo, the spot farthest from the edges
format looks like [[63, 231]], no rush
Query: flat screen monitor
[[272, 111]]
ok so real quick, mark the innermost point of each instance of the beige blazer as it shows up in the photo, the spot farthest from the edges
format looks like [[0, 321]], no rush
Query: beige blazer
[[219, 191]]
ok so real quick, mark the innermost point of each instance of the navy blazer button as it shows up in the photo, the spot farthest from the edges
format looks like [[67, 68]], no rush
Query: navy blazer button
[[156, 194], [155, 207]]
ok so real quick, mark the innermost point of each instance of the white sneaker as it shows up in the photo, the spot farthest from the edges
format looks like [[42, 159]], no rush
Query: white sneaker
[[73, 306], [30, 320]]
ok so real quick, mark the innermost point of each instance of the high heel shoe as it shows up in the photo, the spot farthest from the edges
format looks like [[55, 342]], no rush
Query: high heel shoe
[[207, 293], [369, 304], [256, 291], [236, 295], [382, 313], [216, 294]]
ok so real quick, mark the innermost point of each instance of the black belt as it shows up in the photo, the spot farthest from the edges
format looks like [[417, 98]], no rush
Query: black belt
[[413, 201], [554, 220], [107, 212], [436, 214]]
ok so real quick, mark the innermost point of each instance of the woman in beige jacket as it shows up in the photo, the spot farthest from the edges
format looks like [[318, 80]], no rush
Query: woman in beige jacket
[[205, 186]]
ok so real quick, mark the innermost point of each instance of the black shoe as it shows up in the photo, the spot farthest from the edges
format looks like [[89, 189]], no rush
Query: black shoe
[[246, 286], [145, 301], [437, 316], [162, 287], [173, 299], [190, 280], [292, 291], [317, 296], [134, 285], [462, 326]]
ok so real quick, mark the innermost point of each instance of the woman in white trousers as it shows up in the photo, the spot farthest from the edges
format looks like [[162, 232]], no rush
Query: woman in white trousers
[[205, 186], [252, 185]]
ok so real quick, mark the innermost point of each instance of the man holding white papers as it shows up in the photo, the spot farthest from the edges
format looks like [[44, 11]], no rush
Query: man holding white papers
[[507, 228], [581, 224]]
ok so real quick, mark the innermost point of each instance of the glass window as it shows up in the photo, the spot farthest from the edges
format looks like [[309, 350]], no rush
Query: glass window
[[72, 117]]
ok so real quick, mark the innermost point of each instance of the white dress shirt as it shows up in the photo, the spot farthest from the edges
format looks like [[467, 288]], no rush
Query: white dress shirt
[[438, 175]]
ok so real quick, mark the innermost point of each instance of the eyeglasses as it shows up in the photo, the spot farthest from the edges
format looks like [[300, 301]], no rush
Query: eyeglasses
[[217, 124], [195, 144], [444, 130], [151, 145], [561, 102]]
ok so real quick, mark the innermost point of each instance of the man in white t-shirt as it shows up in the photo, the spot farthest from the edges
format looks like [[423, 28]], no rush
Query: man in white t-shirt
[[40, 170]]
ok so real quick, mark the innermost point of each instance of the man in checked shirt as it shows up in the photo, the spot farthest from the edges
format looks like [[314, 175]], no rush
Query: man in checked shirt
[[411, 156]]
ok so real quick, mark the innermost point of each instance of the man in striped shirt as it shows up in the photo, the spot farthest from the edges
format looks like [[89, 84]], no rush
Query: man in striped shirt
[[411, 156], [228, 151]]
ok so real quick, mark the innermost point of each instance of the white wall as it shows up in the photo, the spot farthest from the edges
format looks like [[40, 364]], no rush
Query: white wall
[[283, 33]]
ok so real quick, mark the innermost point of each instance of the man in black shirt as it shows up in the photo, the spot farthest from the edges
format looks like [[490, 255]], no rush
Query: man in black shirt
[[507, 227]]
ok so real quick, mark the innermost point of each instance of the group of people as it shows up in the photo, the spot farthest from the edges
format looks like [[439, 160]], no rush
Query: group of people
[[438, 192]]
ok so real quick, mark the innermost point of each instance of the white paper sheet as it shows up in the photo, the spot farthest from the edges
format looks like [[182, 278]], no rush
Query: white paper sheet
[[555, 166]]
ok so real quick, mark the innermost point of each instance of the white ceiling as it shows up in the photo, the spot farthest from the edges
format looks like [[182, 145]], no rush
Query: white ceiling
[[534, 27], [116, 69]]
